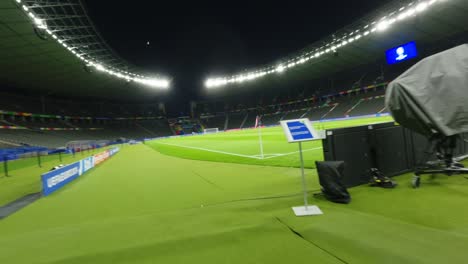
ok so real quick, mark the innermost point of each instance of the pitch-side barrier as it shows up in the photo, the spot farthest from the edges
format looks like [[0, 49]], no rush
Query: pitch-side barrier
[[59, 177]]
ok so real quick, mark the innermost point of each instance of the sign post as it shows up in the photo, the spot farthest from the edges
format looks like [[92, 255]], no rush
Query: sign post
[[298, 131]]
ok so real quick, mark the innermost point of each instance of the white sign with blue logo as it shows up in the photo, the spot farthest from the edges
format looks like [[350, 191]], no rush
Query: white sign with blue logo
[[299, 130]]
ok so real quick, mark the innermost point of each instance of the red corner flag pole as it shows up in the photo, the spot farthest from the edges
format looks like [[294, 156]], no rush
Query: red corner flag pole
[[259, 127]]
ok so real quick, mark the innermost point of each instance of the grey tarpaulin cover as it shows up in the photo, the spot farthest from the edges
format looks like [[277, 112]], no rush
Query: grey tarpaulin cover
[[432, 96]]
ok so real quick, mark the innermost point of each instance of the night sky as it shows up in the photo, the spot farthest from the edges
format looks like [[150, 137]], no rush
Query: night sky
[[190, 40]]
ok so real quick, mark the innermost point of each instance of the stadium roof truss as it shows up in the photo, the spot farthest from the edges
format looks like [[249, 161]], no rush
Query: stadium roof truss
[[55, 37], [402, 20]]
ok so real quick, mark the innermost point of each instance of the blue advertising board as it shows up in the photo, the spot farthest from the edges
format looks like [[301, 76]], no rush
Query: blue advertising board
[[58, 178], [86, 164], [402, 53], [112, 151]]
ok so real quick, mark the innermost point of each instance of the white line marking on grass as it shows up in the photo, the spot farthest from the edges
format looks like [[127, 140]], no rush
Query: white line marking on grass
[[258, 157], [210, 150], [290, 153]]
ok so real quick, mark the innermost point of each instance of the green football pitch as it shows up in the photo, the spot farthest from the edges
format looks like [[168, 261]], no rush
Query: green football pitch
[[244, 146], [143, 206]]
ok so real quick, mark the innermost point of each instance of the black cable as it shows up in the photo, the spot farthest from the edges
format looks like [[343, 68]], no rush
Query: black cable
[[311, 242], [262, 198]]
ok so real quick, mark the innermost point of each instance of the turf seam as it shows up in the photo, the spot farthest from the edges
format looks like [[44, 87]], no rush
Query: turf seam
[[310, 242], [206, 180], [260, 198]]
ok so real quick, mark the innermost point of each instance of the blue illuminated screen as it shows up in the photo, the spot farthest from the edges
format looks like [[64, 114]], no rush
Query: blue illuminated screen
[[402, 53]]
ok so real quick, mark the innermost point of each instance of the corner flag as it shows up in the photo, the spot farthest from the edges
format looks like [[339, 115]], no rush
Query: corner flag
[[258, 121]]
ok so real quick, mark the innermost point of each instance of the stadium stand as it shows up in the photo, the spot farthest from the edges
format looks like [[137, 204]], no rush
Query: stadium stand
[[294, 114], [250, 121], [355, 102], [4, 145], [318, 113], [236, 120], [156, 127], [217, 121], [368, 105], [271, 119], [54, 133]]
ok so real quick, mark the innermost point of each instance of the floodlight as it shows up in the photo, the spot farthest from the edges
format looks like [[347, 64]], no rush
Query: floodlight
[[421, 6], [99, 67], [410, 11], [39, 22], [383, 25], [156, 83], [402, 16], [280, 68]]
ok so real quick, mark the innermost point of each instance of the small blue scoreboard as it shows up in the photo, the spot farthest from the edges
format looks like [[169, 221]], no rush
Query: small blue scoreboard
[[402, 53]]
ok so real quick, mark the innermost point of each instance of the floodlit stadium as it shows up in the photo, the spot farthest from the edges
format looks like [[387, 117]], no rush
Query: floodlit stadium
[[167, 133]]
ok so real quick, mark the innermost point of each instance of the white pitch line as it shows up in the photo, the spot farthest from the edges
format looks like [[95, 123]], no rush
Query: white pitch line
[[275, 155], [210, 150], [290, 153]]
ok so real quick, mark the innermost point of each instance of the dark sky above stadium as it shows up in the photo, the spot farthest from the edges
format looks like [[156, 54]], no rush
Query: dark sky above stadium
[[190, 40]]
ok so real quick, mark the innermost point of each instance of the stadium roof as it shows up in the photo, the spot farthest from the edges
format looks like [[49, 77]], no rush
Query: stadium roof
[[52, 46], [398, 22], [33, 64]]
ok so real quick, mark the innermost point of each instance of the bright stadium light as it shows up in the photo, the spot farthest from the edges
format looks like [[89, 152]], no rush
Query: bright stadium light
[[400, 14], [39, 23], [161, 83], [421, 7], [99, 67], [383, 25]]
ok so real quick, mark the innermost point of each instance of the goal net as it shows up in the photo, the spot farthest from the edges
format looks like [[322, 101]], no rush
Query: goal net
[[210, 130]]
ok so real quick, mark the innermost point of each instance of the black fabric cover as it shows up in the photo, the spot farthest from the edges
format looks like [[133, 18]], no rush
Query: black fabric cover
[[330, 174], [432, 96]]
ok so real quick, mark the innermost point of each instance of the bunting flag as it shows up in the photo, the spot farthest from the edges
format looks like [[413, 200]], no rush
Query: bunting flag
[[66, 128], [12, 113], [50, 128], [12, 127]]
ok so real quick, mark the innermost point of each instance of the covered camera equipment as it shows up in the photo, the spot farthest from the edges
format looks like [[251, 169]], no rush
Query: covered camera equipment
[[431, 98]]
